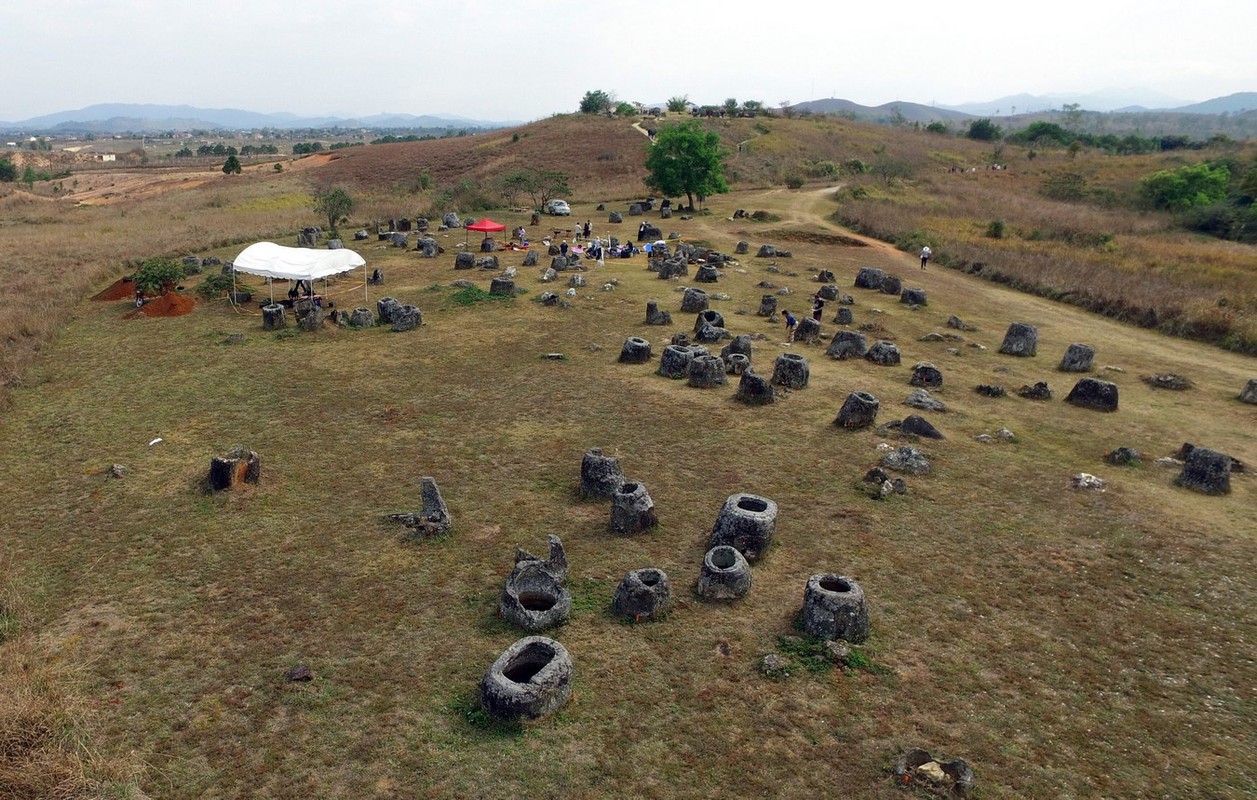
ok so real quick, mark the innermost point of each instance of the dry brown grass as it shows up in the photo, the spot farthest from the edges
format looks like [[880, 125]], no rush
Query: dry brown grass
[[1068, 645], [1134, 266], [48, 746]]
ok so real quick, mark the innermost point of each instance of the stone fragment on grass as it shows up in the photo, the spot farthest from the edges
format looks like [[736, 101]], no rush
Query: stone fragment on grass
[[906, 459], [922, 399], [1087, 481], [1123, 456], [1249, 393]]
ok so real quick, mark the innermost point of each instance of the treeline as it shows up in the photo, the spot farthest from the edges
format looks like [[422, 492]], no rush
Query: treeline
[[1050, 134], [221, 150]]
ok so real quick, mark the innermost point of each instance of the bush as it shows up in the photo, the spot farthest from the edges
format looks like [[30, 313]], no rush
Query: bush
[[996, 229], [983, 130], [1187, 187], [855, 166], [794, 181], [156, 275], [1067, 186]]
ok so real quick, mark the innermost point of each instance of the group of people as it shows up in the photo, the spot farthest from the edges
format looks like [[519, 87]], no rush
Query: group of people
[[818, 302]]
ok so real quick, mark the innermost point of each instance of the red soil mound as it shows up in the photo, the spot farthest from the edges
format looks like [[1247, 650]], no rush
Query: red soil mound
[[120, 289], [167, 305]]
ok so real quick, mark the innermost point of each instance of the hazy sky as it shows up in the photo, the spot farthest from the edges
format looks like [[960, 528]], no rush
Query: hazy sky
[[527, 59]]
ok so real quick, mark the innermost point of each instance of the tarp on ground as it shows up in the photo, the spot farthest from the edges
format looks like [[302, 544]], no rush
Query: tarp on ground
[[272, 260]]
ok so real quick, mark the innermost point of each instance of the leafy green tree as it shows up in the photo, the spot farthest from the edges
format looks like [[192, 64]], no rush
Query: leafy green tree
[[8, 172], [1186, 187], [232, 167], [184, 152], [595, 101], [333, 203], [753, 107], [625, 109], [678, 103], [685, 159], [983, 130], [731, 106], [157, 275], [29, 177]]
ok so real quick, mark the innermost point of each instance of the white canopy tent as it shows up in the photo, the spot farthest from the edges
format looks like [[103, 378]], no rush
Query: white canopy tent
[[277, 262]]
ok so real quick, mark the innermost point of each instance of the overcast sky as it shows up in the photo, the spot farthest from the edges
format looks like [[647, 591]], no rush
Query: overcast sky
[[527, 59]]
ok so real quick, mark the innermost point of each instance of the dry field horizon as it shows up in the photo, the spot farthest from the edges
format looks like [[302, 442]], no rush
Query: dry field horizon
[[1065, 643]]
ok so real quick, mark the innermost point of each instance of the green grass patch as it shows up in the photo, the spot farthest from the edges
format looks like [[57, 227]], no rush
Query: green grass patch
[[472, 295]]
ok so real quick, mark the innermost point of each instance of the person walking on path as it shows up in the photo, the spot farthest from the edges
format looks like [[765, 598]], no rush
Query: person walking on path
[[925, 255]]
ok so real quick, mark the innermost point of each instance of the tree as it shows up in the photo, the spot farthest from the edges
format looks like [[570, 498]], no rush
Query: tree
[[678, 103], [333, 203], [731, 106], [595, 101], [29, 177], [8, 172], [686, 159], [983, 130], [753, 107], [623, 109], [891, 169], [936, 127], [539, 184], [232, 167]]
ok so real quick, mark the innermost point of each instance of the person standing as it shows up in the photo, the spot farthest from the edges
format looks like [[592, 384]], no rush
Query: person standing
[[818, 307], [563, 248], [791, 324], [925, 255], [588, 229]]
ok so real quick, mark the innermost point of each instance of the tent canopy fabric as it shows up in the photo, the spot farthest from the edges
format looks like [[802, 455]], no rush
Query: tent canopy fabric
[[294, 263], [486, 225]]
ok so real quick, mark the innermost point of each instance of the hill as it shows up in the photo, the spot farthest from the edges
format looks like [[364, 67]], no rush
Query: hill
[[1238, 103], [887, 112]]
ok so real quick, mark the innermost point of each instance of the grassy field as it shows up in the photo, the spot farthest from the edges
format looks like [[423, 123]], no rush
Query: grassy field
[[1067, 644]]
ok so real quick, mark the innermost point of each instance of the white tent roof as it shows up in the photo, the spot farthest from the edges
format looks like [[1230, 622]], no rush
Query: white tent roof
[[294, 263]]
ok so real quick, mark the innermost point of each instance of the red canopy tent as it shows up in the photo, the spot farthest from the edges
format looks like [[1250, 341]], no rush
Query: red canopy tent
[[485, 226]]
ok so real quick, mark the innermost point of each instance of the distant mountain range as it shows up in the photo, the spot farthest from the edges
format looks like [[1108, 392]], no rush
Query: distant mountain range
[[122, 117], [111, 118], [1114, 101]]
